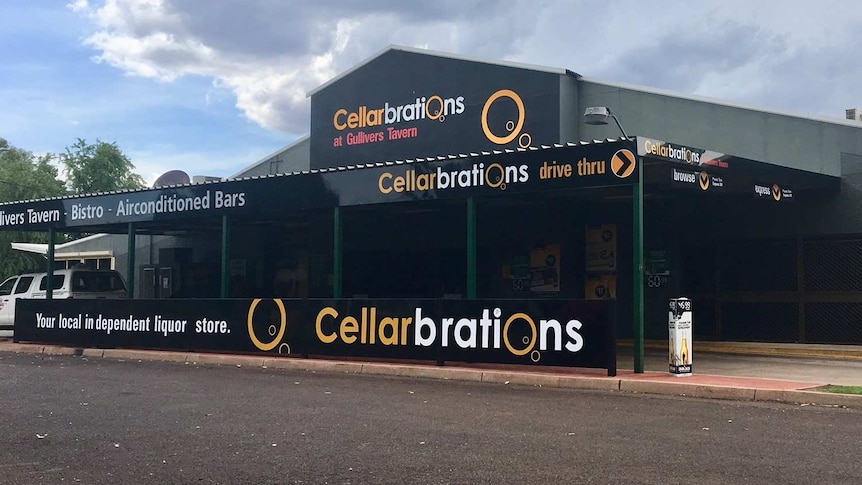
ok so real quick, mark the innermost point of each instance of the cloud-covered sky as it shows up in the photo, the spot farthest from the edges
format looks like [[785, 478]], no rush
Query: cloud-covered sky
[[212, 86]]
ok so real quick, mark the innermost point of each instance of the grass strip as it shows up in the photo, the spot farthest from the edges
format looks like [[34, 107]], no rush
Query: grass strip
[[841, 389]]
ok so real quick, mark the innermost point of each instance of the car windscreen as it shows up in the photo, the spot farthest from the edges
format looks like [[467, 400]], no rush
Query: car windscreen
[[92, 281], [23, 284], [6, 287]]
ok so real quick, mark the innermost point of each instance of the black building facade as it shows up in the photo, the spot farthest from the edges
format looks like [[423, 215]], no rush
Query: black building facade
[[461, 189]]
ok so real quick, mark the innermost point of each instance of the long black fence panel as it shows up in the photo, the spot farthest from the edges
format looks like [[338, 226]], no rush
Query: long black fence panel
[[572, 333]]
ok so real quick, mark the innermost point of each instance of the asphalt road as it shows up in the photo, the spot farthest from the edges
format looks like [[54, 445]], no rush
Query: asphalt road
[[74, 420]]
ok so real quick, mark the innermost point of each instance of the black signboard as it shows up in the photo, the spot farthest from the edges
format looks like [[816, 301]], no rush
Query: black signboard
[[673, 152], [712, 172], [773, 192], [539, 332], [600, 164], [406, 104], [696, 179]]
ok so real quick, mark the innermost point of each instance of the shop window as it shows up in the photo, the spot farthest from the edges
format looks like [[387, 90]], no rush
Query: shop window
[[758, 266], [833, 265], [89, 263]]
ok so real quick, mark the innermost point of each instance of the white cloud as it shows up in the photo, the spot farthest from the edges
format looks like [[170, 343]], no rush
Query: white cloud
[[79, 6], [269, 54]]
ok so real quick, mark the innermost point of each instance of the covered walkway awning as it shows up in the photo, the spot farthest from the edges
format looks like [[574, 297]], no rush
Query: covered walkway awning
[[190, 206], [668, 168]]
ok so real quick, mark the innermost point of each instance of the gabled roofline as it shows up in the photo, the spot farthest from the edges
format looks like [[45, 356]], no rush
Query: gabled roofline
[[264, 159], [720, 102], [447, 55]]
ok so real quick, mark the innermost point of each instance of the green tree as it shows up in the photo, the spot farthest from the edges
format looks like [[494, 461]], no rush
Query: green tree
[[98, 167], [24, 176]]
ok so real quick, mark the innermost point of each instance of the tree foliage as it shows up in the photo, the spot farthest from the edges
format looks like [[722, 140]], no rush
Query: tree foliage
[[89, 168], [98, 167], [24, 176]]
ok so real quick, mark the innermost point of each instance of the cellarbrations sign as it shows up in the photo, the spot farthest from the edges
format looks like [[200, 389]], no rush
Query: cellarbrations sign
[[533, 332], [405, 104]]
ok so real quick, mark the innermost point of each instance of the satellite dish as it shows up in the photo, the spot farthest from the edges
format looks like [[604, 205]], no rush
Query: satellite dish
[[172, 177]]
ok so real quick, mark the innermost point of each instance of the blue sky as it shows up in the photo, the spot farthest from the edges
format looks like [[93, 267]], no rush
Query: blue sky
[[210, 87], [53, 92]]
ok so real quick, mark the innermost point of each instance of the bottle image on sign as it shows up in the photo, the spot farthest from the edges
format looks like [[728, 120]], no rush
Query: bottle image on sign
[[671, 357], [684, 354]]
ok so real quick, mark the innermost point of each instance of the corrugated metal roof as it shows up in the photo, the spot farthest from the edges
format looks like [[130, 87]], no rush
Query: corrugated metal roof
[[705, 99]]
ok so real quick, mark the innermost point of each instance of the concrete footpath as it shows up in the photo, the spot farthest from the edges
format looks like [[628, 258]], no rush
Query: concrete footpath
[[749, 381]]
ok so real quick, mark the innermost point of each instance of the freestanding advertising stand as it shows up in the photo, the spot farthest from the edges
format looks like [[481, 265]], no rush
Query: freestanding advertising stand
[[679, 326]]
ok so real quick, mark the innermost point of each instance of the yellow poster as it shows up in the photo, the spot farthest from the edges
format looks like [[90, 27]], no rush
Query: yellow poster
[[601, 247], [545, 269], [601, 287]]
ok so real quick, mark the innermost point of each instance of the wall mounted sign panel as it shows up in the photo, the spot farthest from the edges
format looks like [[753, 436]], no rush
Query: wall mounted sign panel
[[406, 105]]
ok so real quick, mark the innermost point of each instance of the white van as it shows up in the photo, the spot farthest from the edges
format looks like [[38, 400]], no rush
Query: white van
[[68, 283]]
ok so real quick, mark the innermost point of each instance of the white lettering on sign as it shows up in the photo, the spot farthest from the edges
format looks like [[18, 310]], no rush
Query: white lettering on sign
[[42, 217], [13, 219], [687, 177], [167, 204], [31, 216], [82, 211], [488, 331]]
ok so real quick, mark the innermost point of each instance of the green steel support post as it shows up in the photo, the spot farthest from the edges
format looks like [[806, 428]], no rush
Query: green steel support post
[[130, 268], [638, 263], [471, 248], [337, 253], [49, 287], [225, 257]]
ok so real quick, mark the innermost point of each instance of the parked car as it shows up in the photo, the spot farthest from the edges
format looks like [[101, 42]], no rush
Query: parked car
[[21, 286], [68, 283]]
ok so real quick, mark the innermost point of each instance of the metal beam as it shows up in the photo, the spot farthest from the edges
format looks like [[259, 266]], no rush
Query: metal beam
[[49, 285], [471, 248], [337, 253], [130, 268], [225, 256], [638, 263]]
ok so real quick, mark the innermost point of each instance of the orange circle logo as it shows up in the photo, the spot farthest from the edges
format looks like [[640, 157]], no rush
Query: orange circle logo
[[623, 163], [266, 347], [516, 128]]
